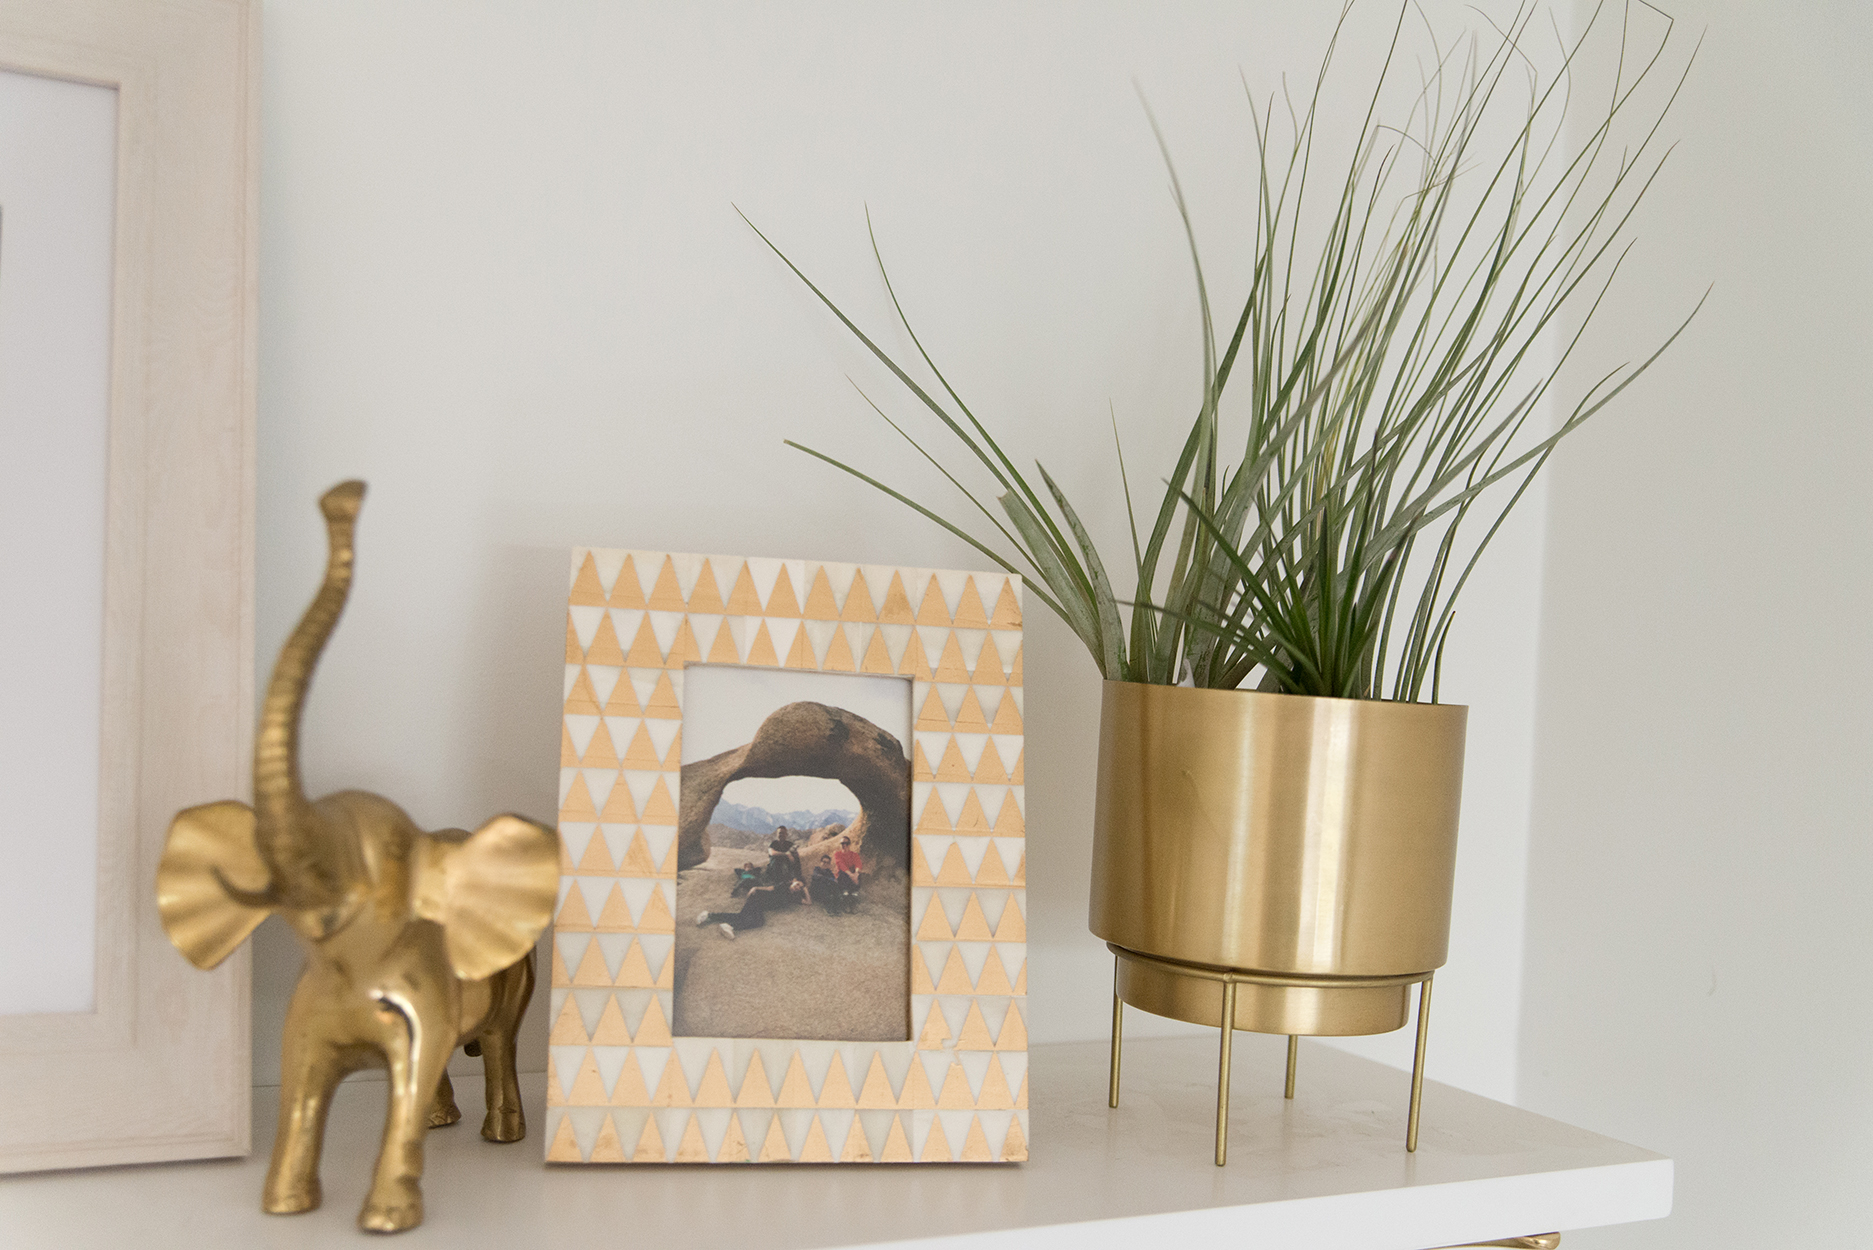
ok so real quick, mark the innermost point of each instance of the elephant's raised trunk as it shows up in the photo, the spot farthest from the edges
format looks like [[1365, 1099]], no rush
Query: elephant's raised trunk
[[307, 870]]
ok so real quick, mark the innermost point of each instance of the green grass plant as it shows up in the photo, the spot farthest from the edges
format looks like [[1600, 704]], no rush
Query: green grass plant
[[1397, 349]]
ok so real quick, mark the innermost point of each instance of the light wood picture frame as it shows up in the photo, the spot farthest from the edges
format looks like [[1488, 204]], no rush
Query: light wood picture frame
[[621, 1086], [160, 1068]]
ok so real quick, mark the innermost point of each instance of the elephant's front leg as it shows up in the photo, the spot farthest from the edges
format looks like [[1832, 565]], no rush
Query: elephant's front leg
[[310, 1069], [417, 1041], [513, 987]]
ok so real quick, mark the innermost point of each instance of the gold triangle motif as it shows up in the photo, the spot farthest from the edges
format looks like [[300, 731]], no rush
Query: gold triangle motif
[[714, 1091], [955, 978], [969, 718], [838, 654], [954, 871], [857, 1149], [955, 1095], [974, 926], [582, 700], [587, 1089], [654, 1028], [994, 978], [877, 655], [800, 655], [691, 1148], [782, 602], [1007, 611], [573, 917], [734, 1147], [933, 610], [722, 651], [816, 1149], [659, 810], [1015, 1149], [634, 972], [644, 651], [586, 591], [932, 718], [619, 810], [565, 1148], [592, 972], [917, 1095], [936, 1147], [794, 1090], [604, 648], [975, 1145], [761, 650], [623, 701], [913, 663], [705, 597], [663, 704], [992, 871], [641, 754], [935, 926], [858, 607], [819, 602], [952, 768], [649, 1143], [607, 1149], [969, 613], [612, 1032], [774, 1149], [995, 1095], [876, 1093], [742, 600], [835, 1092], [755, 1090], [626, 592], [569, 1029], [656, 917], [599, 753], [1013, 927], [975, 1034], [896, 610], [615, 917], [1014, 1036], [673, 1089], [575, 654], [578, 804], [972, 819], [664, 596], [934, 819], [950, 666], [896, 1146]]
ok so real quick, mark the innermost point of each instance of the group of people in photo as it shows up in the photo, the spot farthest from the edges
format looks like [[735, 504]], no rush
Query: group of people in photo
[[783, 882]]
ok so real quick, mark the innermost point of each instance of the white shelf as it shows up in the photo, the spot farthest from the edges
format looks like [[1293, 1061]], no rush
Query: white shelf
[[1327, 1171]]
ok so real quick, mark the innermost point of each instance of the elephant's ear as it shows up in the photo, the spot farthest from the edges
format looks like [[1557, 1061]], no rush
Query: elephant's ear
[[209, 849], [492, 891]]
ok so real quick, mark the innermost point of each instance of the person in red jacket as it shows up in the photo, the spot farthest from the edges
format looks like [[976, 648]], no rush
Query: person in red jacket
[[846, 864]]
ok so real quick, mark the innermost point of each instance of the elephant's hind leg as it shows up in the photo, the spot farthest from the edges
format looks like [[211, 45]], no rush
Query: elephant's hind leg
[[513, 987], [442, 1110]]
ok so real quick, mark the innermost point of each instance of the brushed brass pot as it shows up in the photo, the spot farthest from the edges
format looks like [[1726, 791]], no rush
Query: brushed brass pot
[[1280, 837]]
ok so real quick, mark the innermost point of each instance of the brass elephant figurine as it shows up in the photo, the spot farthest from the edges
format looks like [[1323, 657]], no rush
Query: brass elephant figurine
[[416, 941]]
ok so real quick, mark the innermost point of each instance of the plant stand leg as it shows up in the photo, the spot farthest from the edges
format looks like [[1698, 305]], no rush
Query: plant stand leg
[[1222, 1072], [1417, 1063], [1294, 1046], [1118, 1034]]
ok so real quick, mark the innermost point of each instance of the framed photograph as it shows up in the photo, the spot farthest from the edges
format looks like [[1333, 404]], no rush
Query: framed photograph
[[128, 131], [792, 923]]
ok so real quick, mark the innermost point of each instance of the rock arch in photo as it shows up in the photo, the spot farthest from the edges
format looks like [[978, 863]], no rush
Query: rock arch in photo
[[809, 740]]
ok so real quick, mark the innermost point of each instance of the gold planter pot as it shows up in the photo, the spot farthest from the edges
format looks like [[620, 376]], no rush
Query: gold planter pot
[[1281, 861]]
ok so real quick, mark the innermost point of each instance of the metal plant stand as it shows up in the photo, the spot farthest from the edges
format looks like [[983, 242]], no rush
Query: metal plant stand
[[1228, 979]]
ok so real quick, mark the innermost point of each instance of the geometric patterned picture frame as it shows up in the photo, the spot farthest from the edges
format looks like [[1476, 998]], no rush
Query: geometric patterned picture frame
[[620, 1087]]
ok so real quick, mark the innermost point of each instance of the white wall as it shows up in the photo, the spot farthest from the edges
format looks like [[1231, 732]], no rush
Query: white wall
[[502, 280], [1699, 946]]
